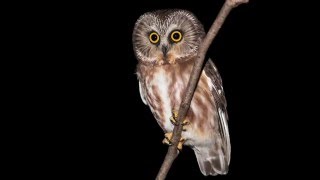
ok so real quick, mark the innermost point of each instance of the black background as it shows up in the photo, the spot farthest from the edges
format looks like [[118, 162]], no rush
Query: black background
[[107, 129]]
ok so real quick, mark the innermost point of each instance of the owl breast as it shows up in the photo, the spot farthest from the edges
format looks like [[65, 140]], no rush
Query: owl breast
[[164, 89]]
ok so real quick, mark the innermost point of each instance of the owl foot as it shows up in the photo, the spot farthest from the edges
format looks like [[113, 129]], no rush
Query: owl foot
[[167, 140], [174, 117], [180, 144], [173, 120]]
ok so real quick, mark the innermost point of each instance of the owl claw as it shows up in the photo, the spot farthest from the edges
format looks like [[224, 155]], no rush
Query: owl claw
[[185, 122], [174, 121], [167, 140], [180, 144], [174, 117]]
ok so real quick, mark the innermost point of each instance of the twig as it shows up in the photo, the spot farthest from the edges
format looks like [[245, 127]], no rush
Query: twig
[[192, 83]]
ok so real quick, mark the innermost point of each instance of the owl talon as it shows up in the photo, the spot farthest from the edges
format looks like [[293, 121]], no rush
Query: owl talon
[[174, 121], [167, 140], [174, 117], [180, 144], [185, 122]]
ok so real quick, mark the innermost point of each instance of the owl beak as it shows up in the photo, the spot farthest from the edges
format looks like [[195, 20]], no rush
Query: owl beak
[[164, 49]]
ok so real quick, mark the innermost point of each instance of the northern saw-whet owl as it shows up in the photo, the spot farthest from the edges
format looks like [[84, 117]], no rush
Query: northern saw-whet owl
[[166, 44]]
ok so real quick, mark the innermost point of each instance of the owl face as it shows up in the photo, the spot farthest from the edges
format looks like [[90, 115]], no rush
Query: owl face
[[167, 37]]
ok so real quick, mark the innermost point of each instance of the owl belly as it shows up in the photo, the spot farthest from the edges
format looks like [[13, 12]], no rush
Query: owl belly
[[165, 90], [160, 88]]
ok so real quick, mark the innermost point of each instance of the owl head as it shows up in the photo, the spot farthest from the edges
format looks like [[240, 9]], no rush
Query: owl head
[[167, 37]]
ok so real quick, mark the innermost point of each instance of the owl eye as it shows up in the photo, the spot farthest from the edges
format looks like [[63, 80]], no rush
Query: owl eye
[[154, 37], [176, 36]]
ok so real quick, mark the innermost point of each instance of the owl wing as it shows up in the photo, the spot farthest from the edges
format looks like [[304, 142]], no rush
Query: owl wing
[[221, 105], [142, 93]]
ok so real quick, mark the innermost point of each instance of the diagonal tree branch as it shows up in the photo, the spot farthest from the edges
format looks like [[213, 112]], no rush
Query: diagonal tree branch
[[193, 81]]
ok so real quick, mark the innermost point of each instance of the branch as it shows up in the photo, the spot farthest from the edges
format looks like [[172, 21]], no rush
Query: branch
[[193, 81]]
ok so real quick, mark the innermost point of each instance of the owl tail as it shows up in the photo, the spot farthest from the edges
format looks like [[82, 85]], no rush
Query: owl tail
[[211, 160]]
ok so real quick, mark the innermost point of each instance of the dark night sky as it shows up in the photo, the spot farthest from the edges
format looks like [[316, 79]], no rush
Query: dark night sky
[[254, 53]]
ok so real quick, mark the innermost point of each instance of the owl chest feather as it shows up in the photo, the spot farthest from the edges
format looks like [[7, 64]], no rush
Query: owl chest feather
[[165, 87]]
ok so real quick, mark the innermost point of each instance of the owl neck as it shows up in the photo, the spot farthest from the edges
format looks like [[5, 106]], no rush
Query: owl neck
[[168, 60], [180, 68]]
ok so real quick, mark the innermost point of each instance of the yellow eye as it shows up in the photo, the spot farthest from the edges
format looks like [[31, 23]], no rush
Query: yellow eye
[[154, 37], [176, 36]]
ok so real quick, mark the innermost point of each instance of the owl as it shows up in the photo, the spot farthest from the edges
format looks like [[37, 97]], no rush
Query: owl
[[166, 43]]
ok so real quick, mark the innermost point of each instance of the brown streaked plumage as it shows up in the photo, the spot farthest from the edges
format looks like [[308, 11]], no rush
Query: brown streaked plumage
[[164, 67]]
